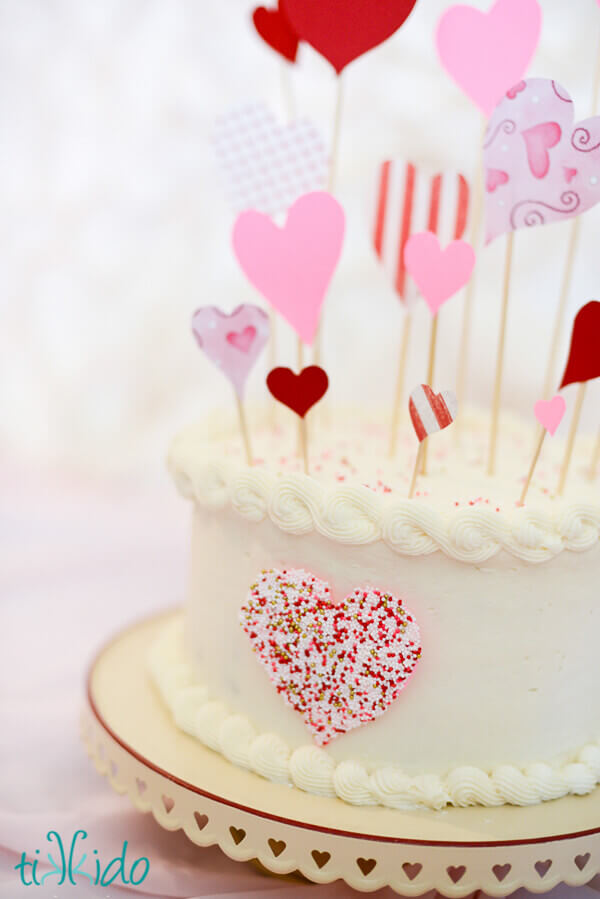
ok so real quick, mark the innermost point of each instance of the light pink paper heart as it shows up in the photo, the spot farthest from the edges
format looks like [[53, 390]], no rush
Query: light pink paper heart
[[487, 53], [325, 658], [265, 165], [550, 413], [552, 163], [233, 342], [438, 273], [292, 266]]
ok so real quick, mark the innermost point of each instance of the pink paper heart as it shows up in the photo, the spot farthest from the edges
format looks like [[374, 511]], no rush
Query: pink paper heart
[[438, 273], [495, 178], [487, 53], [325, 660], [292, 266], [549, 413], [533, 138], [233, 342]]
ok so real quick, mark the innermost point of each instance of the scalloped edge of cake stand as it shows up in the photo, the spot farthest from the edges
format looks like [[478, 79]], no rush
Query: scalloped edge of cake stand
[[134, 743]]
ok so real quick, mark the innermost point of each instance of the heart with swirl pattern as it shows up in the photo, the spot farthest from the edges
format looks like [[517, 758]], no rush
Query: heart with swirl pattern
[[540, 165]]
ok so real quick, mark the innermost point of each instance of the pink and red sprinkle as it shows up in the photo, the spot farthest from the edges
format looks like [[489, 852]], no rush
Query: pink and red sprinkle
[[340, 666]]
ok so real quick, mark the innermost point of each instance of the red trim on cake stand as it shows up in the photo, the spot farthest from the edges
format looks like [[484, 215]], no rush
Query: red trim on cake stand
[[133, 742]]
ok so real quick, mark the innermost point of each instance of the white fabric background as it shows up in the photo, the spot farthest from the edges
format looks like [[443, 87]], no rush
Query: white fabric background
[[114, 227]]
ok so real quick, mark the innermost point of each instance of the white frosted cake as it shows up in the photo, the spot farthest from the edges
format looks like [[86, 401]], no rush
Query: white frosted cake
[[351, 642]]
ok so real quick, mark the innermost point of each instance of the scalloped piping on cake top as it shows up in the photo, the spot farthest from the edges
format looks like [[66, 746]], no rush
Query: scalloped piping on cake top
[[313, 770], [299, 504]]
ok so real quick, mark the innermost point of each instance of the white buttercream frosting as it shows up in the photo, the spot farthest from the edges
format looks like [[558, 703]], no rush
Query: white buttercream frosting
[[312, 769], [356, 495]]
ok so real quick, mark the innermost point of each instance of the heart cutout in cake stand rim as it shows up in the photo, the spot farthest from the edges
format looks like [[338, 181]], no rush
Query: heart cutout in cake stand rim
[[540, 165], [325, 659]]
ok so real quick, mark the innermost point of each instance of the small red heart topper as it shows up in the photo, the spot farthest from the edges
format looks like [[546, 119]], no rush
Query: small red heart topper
[[431, 412], [339, 665], [299, 392], [342, 30], [583, 363], [276, 31]]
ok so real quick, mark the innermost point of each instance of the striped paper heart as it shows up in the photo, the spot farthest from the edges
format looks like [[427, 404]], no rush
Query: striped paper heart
[[431, 412], [409, 200]]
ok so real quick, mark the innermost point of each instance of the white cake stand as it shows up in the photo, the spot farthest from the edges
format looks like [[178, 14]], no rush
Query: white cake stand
[[132, 740]]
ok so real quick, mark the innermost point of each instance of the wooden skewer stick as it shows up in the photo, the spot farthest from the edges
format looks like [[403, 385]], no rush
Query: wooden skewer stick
[[244, 430], [568, 271], [474, 234], [304, 443], [301, 422], [418, 460], [500, 356], [595, 459], [400, 383], [571, 438], [562, 307], [430, 373], [333, 166], [534, 462], [286, 90]]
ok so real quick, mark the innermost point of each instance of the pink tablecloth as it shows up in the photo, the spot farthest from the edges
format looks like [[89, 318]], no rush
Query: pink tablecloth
[[78, 561]]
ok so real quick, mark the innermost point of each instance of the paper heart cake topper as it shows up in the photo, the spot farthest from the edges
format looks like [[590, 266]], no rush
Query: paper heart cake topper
[[276, 31], [267, 166], [431, 412], [342, 30], [438, 273], [292, 266], [232, 342], [299, 392], [550, 413], [486, 53], [583, 363], [339, 665], [540, 166], [408, 200]]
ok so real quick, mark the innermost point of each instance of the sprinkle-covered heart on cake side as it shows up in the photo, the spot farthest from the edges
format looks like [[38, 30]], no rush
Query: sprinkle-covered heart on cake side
[[339, 665]]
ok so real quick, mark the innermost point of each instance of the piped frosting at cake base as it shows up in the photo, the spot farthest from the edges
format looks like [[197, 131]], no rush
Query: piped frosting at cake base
[[314, 770]]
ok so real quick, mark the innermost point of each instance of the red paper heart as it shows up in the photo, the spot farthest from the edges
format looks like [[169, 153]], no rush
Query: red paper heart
[[340, 666], [583, 363], [275, 30], [298, 392], [342, 30]]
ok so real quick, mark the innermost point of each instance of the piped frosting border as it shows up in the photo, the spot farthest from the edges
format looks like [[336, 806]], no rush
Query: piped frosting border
[[313, 770], [355, 515]]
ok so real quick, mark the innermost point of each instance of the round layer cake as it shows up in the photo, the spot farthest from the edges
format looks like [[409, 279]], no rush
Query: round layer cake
[[432, 651]]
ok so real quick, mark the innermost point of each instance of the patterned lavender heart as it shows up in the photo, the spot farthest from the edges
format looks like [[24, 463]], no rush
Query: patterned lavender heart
[[233, 342], [540, 166]]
